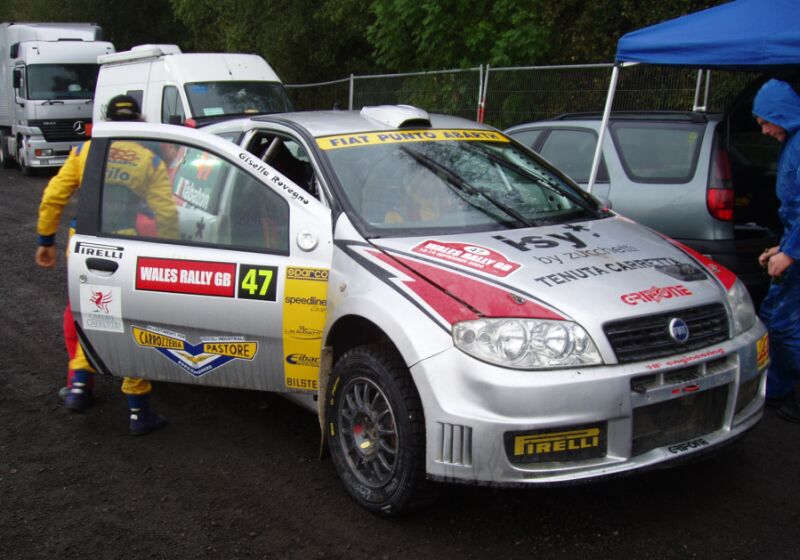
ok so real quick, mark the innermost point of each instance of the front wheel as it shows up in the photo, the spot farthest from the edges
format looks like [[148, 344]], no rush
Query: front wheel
[[5, 157], [376, 431], [26, 169]]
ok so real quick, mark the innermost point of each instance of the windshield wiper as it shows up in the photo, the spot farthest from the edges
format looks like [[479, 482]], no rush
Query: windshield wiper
[[461, 186], [53, 102]]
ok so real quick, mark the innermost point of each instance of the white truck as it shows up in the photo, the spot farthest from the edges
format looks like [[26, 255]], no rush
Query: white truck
[[48, 73], [173, 87]]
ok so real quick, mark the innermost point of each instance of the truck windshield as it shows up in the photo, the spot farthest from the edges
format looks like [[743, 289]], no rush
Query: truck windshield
[[61, 81], [449, 180], [217, 99]]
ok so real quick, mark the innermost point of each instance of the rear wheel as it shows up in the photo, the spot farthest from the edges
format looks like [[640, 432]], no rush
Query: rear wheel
[[376, 431]]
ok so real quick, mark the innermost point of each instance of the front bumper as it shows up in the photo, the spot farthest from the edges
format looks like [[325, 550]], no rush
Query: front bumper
[[40, 153], [490, 425]]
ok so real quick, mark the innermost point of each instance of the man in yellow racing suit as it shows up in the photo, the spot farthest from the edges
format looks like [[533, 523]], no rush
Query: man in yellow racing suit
[[133, 173]]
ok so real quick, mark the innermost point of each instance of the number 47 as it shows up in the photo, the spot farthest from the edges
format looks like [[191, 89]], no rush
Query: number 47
[[252, 278]]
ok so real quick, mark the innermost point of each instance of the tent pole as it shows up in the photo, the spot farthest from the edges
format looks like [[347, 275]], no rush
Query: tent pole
[[708, 89], [612, 88]]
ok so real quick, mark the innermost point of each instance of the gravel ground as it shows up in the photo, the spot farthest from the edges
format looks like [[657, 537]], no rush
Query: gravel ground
[[237, 474]]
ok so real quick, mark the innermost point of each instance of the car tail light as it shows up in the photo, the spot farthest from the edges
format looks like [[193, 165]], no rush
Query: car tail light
[[720, 193]]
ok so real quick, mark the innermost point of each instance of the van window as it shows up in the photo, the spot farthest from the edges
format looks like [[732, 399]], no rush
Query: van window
[[572, 151], [217, 99], [174, 192], [171, 105], [658, 152]]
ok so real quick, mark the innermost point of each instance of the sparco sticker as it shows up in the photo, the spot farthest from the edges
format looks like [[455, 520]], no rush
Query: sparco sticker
[[101, 308], [471, 256], [196, 359]]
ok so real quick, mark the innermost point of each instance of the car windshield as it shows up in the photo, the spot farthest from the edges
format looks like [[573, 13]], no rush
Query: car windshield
[[61, 81], [449, 180], [217, 99]]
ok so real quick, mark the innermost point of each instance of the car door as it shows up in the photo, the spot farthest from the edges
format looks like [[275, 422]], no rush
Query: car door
[[196, 262]]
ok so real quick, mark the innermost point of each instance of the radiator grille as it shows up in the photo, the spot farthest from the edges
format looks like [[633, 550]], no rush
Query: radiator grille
[[643, 338], [61, 130]]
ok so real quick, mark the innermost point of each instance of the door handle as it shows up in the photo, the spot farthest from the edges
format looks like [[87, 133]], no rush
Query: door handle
[[101, 265]]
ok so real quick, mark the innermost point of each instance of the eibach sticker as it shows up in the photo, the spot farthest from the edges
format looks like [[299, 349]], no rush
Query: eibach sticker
[[196, 359], [470, 256]]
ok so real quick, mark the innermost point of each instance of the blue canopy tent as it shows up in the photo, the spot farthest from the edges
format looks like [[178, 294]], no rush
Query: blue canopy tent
[[740, 35]]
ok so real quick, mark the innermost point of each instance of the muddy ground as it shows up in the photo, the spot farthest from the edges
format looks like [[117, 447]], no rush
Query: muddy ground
[[237, 474]]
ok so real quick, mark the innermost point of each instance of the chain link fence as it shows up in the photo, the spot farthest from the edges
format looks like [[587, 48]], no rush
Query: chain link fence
[[515, 95]]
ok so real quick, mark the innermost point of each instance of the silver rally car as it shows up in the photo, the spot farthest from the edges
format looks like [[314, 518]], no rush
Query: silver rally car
[[452, 307]]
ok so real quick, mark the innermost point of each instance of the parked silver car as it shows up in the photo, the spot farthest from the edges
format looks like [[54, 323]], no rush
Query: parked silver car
[[678, 173], [452, 307]]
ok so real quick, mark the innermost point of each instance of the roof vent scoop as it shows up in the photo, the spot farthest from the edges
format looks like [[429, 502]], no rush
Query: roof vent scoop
[[397, 116]]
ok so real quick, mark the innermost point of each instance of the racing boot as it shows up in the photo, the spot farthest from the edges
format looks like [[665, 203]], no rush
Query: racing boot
[[79, 397], [143, 419]]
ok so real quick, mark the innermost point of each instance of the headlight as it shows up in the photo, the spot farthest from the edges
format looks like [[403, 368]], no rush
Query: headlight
[[744, 314], [526, 343]]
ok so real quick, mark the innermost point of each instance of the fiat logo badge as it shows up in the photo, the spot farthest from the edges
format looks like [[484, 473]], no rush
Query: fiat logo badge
[[678, 330], [79, 127]]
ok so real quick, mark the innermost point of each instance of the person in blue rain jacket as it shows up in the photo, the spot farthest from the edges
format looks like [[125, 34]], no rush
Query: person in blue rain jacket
[[777, 110]]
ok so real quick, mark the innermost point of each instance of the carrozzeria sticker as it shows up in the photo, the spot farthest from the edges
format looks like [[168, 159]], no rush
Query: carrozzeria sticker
[[196, 359], [379, 138], [304, 309], [101, 308], [472, 256]]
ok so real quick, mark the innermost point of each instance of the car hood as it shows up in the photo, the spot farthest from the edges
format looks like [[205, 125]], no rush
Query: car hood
[[581, 271]]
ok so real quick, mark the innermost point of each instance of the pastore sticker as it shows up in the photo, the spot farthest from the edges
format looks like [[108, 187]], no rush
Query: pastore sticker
[[304, 311], [196, 359], [101, 308], [656, 294], [186, 277], [471, 256]]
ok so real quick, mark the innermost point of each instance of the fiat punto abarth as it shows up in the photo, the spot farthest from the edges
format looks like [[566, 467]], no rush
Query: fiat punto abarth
[[451, 306]]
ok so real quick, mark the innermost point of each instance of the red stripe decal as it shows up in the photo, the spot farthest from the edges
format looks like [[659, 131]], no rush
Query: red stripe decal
[[725, 276]]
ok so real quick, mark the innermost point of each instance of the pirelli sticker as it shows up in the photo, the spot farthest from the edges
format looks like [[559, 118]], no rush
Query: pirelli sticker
[[196, 359], [305, 306], [762, 352], [576, 443], [399, 137]]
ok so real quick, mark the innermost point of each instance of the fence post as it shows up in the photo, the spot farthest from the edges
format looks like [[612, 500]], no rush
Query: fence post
[[350, 99], [480, 93]]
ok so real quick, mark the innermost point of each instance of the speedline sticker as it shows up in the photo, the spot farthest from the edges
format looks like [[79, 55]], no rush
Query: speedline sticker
[[380, 138], [304, 310]]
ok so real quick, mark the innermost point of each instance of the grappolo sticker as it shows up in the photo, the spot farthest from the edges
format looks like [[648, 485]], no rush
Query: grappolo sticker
[[196, 359]]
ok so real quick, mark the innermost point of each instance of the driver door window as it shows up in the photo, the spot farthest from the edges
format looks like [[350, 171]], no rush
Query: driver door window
[[168, 191]]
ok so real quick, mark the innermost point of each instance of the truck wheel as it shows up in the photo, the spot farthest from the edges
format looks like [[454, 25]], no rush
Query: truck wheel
[[26, 169], [376, 431], [5, 158]]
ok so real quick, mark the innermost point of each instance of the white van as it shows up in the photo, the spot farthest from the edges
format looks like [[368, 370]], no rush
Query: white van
[[172, 87]]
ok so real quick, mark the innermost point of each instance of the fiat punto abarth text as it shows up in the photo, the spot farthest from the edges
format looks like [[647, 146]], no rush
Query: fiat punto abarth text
[[451, 306]]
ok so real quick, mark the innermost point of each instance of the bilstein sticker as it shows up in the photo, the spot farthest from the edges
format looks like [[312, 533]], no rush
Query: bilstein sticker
[[379, 138], [304, 311], [540, 446], [471, 256], [196, 359]]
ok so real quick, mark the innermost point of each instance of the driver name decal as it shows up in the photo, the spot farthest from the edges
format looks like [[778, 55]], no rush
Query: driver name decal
[[472, 256], [195, 359]]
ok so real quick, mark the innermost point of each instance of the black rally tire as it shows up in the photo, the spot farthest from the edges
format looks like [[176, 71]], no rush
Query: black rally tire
[[27, 170], [5, 158], [375, 429]]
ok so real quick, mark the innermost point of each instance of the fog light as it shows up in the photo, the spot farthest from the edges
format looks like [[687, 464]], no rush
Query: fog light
[[43, 153]]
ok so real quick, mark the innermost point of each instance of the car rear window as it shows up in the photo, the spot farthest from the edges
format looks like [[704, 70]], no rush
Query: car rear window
[[658, 152]]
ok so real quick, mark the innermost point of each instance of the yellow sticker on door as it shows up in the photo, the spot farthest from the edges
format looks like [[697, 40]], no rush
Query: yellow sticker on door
[[304, 308]]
